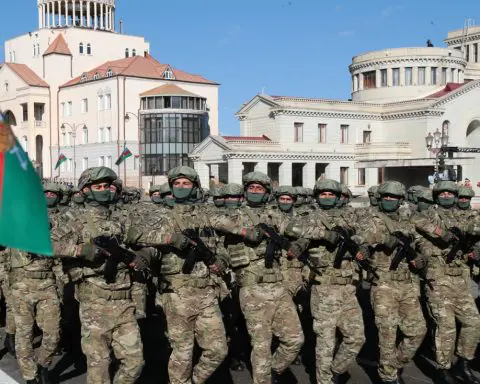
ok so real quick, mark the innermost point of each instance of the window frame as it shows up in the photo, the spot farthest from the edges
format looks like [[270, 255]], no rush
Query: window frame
[[344, 134], [322, 133], [298, 128]]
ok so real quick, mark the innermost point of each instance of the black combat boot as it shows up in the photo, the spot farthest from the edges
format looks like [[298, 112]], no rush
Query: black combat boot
[[276, 377], [462, 371], [236, 365], [298, 360], [335, 378], [444, 376], [390, 382], [43, 375], [33, 381], [9, 344]]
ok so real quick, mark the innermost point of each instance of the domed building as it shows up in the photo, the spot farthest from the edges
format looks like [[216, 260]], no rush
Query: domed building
[[399, 98], [73, 87]]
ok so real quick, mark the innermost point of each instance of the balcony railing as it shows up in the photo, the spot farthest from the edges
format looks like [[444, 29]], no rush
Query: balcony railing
[[384, 151]]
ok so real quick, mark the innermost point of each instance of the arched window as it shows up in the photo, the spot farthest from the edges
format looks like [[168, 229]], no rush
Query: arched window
[[168, 74], [109, 72], [127, 52], [96, 76], [445, 127], [89, 49], [134, 52], [84, 77], [80, 48], [85, 135]]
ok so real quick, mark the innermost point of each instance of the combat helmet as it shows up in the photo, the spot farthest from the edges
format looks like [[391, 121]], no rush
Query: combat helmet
[[256, 199], [372, 195], [54, 188], [286, 190], [327, 185], [424, 198], [393, 189], [465, 195], [185, 194], [95, 175], [445, 186], [233, 193]]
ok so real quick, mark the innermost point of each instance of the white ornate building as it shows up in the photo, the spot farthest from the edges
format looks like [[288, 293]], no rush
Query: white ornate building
[[398, 97], [78, 72]]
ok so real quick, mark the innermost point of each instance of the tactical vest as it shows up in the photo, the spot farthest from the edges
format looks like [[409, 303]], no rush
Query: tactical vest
[[23, 264]]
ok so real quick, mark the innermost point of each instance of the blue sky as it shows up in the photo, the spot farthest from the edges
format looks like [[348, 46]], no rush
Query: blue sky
[[283, 47]]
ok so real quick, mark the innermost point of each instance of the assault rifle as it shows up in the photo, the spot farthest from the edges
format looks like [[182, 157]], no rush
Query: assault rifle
[[347, 245], [115, 254], [276, 242], [197, 251], [405, 251], [460, 244]]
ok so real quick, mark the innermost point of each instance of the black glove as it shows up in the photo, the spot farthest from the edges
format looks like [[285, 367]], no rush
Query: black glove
[[179, 241], [332, 237], [254, 234], [92, 252], [297, 248], [141, 262]]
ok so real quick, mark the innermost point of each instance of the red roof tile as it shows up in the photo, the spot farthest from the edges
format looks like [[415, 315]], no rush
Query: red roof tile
[[448, 88], [27, 75], [247, 138], [168, 89], [59, 46], [138, 66]]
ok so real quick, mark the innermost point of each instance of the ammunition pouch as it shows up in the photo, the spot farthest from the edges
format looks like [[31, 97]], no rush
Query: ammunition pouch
[[89, 292], [246, 279], [17, 274], [400, 275], [171, 264], [451, 270], [173, 284]]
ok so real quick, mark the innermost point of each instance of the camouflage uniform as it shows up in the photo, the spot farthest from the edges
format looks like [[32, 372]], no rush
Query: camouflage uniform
[[7, 296], [264, 300], [107, 312], [189, 300], [396, 295], [333, 302], [451, 299]]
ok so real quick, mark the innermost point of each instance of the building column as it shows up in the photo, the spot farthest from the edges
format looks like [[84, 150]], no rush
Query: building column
[[428, 75], [360, 81], [89, 21], [48, 15], [309, 174], [285, 173], [59, 7], [203, 171], [74, 13], [378, 78], [54, 20], [43, 15], [113, 19], [414, 75], [82, 22], [214, 171], [66, 13], [402, 76], [102, 26], [235, 169], [262, 166], [95, 18], [40, 17]]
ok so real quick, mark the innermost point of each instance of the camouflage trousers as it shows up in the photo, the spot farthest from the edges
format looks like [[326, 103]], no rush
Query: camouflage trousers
[[9, 316], [269, 310], [194, 314], [396, 305], [336, 307], [293, 280], [40, 306], [106, 325], [452, 299]]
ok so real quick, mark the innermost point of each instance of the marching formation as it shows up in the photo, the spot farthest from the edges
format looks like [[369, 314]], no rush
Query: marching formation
[[294, 260]]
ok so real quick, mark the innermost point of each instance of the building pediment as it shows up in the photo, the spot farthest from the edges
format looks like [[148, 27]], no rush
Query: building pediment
[[260, 98], [212, 147]]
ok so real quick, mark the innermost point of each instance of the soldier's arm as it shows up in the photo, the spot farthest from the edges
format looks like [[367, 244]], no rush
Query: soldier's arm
[[429, 224], [307, 227]]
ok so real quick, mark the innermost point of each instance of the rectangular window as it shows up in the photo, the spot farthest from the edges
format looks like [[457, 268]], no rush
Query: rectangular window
[[108, 101], [135, 163], [109, 162], [408, 76], [69, 108], [100, 103], [84, 105], [85, 163], [64, 139], [322, 133], [467, 54], [62, 110], [298, 132], [433, 75], [108, 136], [369, 80], [69, 165], [383, 77], [361, 176], [475, 52], [421, 76], [63, 166], [344, 134], [85, 135], [101, 135], [452, 78], [101, 161], [367, 137], [395, 77], [344, 175], [444, 76], [380, 175]]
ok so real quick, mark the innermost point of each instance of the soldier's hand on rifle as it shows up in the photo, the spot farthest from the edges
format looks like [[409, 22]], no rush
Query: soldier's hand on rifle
[[140, 263], [332, 237], [91, 252], [252, 234], [419, 263], [179, 241], [216, 269], [295, 250]]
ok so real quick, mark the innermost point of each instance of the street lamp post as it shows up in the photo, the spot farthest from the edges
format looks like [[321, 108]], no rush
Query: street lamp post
[[73, 129], [437, 143]]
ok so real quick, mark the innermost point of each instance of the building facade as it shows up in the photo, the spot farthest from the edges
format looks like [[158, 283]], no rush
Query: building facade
[[399, 96], [78, 87]]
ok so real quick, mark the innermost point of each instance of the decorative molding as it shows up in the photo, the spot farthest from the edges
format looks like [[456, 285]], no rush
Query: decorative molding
[[458, 92], [287, 156], [406, 61]]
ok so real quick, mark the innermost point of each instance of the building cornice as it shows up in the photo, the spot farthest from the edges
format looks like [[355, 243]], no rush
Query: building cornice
[[460, 39], [285, 155], [458, 92], [403, 61]]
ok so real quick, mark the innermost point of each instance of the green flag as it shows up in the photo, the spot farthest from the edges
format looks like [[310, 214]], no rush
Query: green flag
[[61, 159], [123, 156], [24, 220]]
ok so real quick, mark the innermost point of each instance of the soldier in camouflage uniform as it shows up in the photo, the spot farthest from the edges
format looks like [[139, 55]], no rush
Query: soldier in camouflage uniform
[[9, 342], [78, 200], [333, 302], [372, 195], [302, 195], [396, 294], [107, 312], [424, 198], [35, 300], [218, 196], [451, 297], [265, 302], [189, 291]]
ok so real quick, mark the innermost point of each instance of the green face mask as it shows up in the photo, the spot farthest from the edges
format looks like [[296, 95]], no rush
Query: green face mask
[[219, 202], [327, 202], [300, 201], [51, 201], [182, 193], [389, 205], [169, 201], [463, 204], [256, 198], [113, 196], [156, 199], [340, 203], [285, 207], [233, 203], [373, 201], [446, 202], [102, 196], [423, 206], [78, 198]]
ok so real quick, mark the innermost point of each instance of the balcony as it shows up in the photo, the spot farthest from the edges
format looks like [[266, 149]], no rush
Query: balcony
[[382, 151]]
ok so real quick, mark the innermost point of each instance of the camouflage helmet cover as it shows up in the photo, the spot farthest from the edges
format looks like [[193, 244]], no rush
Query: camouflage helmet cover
[[164, 189], [183, 171], [327, 185], [215, 192], [52, 187], [287, 190], [394, 188], [232, 189], [154, 188], [257, 177], [372, 190], [95, 174], [301, 191], [426, 194], [445, 186], [465, 192]]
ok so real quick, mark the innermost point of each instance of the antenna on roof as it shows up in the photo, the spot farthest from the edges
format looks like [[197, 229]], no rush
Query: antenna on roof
[[263, 91], [121, 26], [466, 25]]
